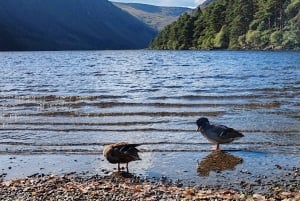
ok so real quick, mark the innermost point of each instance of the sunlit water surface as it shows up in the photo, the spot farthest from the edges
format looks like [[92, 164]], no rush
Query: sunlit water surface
[[59, 109]]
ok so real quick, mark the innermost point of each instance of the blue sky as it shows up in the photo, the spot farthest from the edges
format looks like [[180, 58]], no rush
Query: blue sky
[[178, 3]]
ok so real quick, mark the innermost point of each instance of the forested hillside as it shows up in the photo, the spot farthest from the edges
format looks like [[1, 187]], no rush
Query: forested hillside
[[235, 24]]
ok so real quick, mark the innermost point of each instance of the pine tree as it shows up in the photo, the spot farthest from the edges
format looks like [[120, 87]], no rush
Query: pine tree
[[235, 24]]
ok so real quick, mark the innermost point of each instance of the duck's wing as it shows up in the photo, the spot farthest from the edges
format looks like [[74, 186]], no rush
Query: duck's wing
[[128, 151], [226, 132]]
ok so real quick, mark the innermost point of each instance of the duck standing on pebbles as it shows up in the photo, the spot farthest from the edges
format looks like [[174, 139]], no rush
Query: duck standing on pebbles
[[217, 134], [121, 152]]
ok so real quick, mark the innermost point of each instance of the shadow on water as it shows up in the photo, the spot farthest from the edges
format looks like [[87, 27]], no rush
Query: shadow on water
[[217, 161]]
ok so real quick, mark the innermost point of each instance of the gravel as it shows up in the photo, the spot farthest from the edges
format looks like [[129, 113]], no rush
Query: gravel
[[125, 186]]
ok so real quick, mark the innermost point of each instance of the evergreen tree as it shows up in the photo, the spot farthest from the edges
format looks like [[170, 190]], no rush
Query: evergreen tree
[[198, 27], [243, 12], [235, 24]]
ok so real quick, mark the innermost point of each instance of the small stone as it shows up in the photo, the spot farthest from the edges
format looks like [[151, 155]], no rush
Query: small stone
[[259, 197]]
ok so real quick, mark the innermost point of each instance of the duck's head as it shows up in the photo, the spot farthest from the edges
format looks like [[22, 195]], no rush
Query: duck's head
[[201, 123]]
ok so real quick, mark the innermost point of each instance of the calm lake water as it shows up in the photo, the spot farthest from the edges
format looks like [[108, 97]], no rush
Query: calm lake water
[[58, 110]]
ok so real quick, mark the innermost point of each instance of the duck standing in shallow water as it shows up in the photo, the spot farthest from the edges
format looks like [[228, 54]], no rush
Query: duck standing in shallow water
[[121, 152], [217, 134]]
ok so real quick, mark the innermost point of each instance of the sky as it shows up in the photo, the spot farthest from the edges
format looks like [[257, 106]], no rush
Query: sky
[[176, 3]]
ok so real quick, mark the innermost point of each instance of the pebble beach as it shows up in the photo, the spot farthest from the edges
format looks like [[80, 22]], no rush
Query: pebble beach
[[125, 186]]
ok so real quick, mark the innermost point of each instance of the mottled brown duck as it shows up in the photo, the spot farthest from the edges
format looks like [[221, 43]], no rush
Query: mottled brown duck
[[121, 152]]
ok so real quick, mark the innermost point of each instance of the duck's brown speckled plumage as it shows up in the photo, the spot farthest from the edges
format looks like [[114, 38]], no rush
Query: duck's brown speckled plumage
[[121, 152]]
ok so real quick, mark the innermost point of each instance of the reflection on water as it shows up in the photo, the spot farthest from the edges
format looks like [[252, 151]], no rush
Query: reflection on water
[[218, 161], [74, 103]]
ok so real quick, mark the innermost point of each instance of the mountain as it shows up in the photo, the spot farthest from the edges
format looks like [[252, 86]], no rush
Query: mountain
[[69, 25], [206, 3], [235, 24], [155, 16]]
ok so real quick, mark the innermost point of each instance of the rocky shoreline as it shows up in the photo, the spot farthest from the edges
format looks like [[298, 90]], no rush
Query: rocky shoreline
[[125, 186]]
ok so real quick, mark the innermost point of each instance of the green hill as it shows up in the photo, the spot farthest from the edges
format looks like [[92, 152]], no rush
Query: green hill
[[155, 16], [235, 24]]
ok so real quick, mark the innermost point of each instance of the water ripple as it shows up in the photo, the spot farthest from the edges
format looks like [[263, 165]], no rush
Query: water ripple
[[77, 102]]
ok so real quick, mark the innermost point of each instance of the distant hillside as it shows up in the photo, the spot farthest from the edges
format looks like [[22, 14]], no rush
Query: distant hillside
[[156, 16], [69, 25], [235, 24], [206, 3]]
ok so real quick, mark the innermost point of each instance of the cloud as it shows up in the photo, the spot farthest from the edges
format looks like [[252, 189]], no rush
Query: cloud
[[183, 3], [186, 3], [198, 2]]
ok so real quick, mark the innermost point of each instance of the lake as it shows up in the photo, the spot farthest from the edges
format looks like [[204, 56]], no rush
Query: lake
[[59, 109]]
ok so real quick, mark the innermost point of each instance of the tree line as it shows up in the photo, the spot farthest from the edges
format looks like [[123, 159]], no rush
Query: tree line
[[235, 24]]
